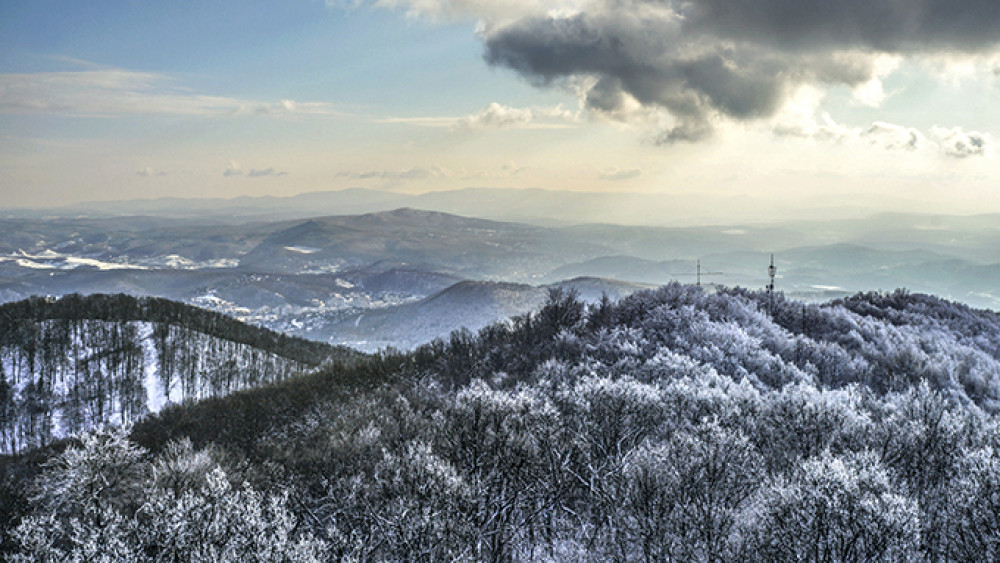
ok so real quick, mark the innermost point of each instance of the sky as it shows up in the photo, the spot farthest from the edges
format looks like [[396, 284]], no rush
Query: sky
[[876, 105]]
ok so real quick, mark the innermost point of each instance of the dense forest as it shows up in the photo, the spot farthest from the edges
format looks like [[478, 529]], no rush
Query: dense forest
[[673, 425], [78, 363]]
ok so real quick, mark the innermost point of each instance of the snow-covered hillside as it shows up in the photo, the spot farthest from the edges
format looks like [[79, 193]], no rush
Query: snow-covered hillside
[[69, 373]]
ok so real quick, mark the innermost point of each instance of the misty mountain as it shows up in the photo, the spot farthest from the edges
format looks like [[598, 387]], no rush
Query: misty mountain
[[419, 239], [534, 205], [306, 274], [628, 268], [469, 304]]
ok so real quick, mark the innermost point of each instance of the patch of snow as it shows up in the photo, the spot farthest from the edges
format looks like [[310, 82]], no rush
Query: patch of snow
[[73, 262], [49, 259], [176, 261], [343, 283], [155, 399], [25, 263], [210, 300], [47, 254], [302, 249], [221, 263]]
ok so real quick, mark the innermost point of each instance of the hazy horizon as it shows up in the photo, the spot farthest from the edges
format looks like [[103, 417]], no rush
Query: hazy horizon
[[531, 205]]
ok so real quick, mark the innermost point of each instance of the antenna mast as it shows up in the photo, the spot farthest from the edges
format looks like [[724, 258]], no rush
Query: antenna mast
[[771, 271], [698, 273]]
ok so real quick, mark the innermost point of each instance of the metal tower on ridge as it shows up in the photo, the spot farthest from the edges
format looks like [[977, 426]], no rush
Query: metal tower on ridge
[[771, 271], [698, 273]]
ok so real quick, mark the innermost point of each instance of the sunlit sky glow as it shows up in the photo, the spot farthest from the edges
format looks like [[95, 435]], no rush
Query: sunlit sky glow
[[823, 104]]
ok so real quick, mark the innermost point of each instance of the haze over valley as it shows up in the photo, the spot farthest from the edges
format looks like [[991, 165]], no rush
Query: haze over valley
[[405, 276]]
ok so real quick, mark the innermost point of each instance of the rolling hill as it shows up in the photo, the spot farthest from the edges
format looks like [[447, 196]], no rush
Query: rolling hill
[[581, 432], [77, 363]]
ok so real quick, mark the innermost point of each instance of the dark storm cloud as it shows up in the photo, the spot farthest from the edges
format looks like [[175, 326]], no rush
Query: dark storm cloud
[[734, 58], [881, 25], [640, 57]]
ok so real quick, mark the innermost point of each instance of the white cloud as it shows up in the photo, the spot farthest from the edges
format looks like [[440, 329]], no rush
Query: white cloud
[[113, 92], [498, 116], [253, 173], [492, 117], [418, 121], [800, 120], [617, 174], [415, 173], [801, 117], [894, 137], [507, 170], [955, 68], [495, 116], [957, 143], [872, 92], [149, 171], [233, 169], [487, 11]]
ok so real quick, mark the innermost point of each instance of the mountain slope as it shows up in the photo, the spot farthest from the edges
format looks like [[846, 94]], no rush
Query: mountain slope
[[425, 240], [675, 424], [469, 304], [82, 362]]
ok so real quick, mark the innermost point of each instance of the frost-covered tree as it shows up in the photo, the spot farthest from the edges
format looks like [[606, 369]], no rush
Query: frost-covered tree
[[680, 499], [104, 471], [97, 502], [833, 509], [963, 516]]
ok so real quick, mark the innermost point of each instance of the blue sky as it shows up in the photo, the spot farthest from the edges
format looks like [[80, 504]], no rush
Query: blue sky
[[119, 100]]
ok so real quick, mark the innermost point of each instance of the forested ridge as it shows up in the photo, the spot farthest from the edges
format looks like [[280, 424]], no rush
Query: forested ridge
[[78, 363], [125, 308], [674, 425]]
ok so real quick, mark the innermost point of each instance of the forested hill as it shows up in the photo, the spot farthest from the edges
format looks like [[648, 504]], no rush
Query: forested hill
[[672, 425], [126, 308], [880, 341], [81, 362]]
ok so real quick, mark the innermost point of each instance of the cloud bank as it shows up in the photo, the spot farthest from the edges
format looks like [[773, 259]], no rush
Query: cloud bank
[[705, 60], [960, 144], [149, 171], [619, 174], [701, 62], [415, 173], [499, 116], [234, 169]]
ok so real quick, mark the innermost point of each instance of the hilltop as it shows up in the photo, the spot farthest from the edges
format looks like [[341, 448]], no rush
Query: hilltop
[[673, 424]]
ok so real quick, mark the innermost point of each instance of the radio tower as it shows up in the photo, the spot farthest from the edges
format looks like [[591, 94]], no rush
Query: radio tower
[[771, 271], [698, 273]]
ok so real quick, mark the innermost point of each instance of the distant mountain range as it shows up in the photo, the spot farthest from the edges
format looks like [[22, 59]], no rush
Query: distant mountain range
[[317, 276], [537, 206]]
